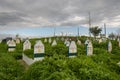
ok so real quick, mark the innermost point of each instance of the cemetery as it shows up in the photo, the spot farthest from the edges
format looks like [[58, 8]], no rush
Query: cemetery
[[65, 57]]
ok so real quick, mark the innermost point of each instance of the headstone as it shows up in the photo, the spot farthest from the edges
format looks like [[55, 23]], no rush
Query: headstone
[[50, 40], [45, 40], [100, 40], [67, 43], [79, 42], [17, 40], [89, 49], [119, 43], [62, 39], [54, 43], [39, 51], [11, 46], [109, 47], [118, 39], [86, 42], [26, 45], [8, 42], [72, 49], [0, 41]]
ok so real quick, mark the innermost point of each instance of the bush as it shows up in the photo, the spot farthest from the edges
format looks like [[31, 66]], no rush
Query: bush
[[29, 53]]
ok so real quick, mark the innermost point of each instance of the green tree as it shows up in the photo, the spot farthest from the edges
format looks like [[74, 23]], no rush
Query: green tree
[[95, 31], [111, 36]]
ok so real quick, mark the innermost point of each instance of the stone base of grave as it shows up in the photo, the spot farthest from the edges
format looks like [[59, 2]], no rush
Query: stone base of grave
[[72, 54], [11, 49], [29, 61]]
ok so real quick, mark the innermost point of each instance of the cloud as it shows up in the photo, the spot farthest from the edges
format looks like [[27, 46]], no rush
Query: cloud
[[41, 13]]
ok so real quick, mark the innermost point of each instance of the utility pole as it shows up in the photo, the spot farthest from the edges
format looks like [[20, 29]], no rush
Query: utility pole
[[78, 32], [54, 31], [105, 29], [89, 24]]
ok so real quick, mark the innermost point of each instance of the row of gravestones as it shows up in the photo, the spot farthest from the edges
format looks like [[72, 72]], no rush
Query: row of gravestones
[[39, 47]]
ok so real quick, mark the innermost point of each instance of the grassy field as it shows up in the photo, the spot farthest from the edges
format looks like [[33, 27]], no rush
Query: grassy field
[[57, 66]]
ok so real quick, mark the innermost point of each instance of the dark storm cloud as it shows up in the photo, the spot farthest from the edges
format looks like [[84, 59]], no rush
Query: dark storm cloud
[[58, 12]]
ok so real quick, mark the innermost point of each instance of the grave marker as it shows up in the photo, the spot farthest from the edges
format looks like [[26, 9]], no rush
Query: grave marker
[[119, 43], [50, 40], [39, 51], [86, 42], [67, 43], [72, 49], [109, 47], [79, 42], [62, 39], [0, 41], [11, 46], [26, 45], [8, 42], [17, 40], [89, 49], [45, 40], [100, 40], [54, 43]]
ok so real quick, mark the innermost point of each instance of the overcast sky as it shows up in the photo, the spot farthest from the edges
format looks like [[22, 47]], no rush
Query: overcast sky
[[15, 14]]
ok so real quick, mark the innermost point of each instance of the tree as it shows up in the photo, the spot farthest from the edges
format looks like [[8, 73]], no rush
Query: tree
[[95, 31], [112, 36]]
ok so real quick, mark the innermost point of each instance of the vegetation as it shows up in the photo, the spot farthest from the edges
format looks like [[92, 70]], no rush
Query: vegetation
[[95, 31], [58, 66]]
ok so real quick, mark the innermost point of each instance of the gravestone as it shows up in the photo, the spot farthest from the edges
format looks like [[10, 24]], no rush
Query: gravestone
[[45, 40], [100, 40], [89, 49], [67, 43], [72, 49], [26, 45], [119, 43], [0, 41], [50, 40], [11, 46], [39, 51], [62, 39], [109, 46], [78, 42], [17, 40], [54, 43], [86, 42], [8, 42], [118, 39]]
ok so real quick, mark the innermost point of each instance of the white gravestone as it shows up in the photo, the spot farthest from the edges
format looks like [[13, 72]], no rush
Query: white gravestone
[[11, 46], [79, 42], [109, 47], [8, 42], [72, 49], [50, 40], [62, 39], [45, 40], [17, 40], [87, 41], [54, 43], [100, 40], [89, 49], [0, 41], [118, 39], [39, 51], [67, 43], [119, 43], [26, 45]]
